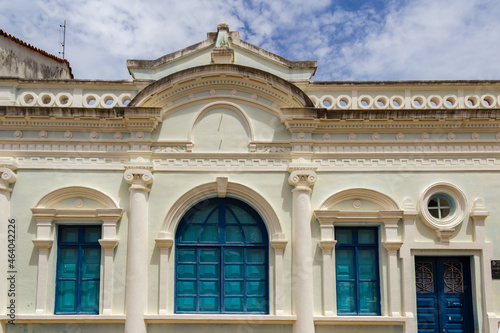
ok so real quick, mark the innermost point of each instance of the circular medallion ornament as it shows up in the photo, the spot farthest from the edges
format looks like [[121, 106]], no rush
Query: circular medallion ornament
[[400, 136], [353, 137], [234, 92], [475, 136], [451, 136], [118, 136], [79, 203], [68, 135], [139, 135], [375, 137], [18, 134], [94, 135], [327, 137], [425, 136], [302, 136], [43, 134], [357, 204]]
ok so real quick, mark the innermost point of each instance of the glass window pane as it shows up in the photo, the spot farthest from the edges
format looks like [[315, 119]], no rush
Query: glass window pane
[[92, 234], [191, 233], [233, 255], [199, 213], [257, 304], [90, 296], [256, 255], [91, 263], [233, 271], [209, 288], [233, 304], [367, 264], [209, 255], [66, 293], [209, 303], [210, 233], [256, 288], [186, 255], [186, 303], [233, 288], [242, 215], [367, 236], [346, 297], [343, 236], [344, 260], [186, 271], [186, 287], [368, 301], [230, 218], [68, 234], [256, 272], [234, 234], [209, 271], [68, 263], [252, 234]]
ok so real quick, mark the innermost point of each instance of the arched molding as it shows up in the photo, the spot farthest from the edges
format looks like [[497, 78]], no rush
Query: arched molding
[[232, 106], [49, 200], [46, 214], [387, 218], [221, 187], [363, 194], [234, 190], [285, 88]]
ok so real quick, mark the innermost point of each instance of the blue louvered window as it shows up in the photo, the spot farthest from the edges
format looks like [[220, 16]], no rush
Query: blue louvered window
[[356, 258], [78, 270], [221, 259]]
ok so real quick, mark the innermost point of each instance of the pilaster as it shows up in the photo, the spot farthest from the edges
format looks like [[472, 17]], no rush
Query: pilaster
[[7, 177], [302, 177], [139, 176]]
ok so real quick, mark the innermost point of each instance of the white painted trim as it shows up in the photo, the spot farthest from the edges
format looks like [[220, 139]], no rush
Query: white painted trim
[[49, 200], [387, 218], [362, 194], [220, 319], [210, 190], [46, 217], [78, 319]]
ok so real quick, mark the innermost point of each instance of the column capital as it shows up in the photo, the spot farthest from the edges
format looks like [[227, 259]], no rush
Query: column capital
[[139, 177], [7, 176], [302, 178]]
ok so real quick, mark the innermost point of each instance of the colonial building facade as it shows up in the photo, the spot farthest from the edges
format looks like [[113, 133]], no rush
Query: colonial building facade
[[222, 190]]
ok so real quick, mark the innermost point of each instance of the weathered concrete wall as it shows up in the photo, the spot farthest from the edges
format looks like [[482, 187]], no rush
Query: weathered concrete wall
[[20, 61]]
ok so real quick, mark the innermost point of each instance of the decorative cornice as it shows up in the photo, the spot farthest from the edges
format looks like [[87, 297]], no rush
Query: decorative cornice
[[108, 243], [43, 243], [164, 243]]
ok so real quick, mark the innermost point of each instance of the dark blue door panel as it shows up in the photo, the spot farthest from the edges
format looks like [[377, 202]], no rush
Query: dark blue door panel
[[443, 295]]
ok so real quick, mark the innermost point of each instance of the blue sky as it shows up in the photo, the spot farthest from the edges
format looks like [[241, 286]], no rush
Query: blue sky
[[351, 40]]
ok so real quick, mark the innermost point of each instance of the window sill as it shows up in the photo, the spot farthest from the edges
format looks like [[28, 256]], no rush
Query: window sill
[[66, 318], [220, 319], [360, 320]]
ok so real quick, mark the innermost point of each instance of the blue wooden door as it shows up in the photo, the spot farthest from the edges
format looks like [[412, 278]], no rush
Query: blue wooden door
[[444, 303]]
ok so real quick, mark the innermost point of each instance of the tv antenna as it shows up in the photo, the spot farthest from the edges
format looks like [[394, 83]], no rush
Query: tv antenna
[[62, 31]]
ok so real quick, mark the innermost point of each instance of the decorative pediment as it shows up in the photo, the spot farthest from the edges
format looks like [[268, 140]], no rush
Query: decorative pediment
[[222, 47]]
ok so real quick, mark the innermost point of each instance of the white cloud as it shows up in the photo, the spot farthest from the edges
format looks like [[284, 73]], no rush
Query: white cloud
[[412, 39]]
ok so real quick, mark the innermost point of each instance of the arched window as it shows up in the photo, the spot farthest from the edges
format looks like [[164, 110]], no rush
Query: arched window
[[221, 259]]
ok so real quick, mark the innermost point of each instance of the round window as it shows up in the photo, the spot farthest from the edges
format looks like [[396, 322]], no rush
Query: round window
[[441, 205]]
